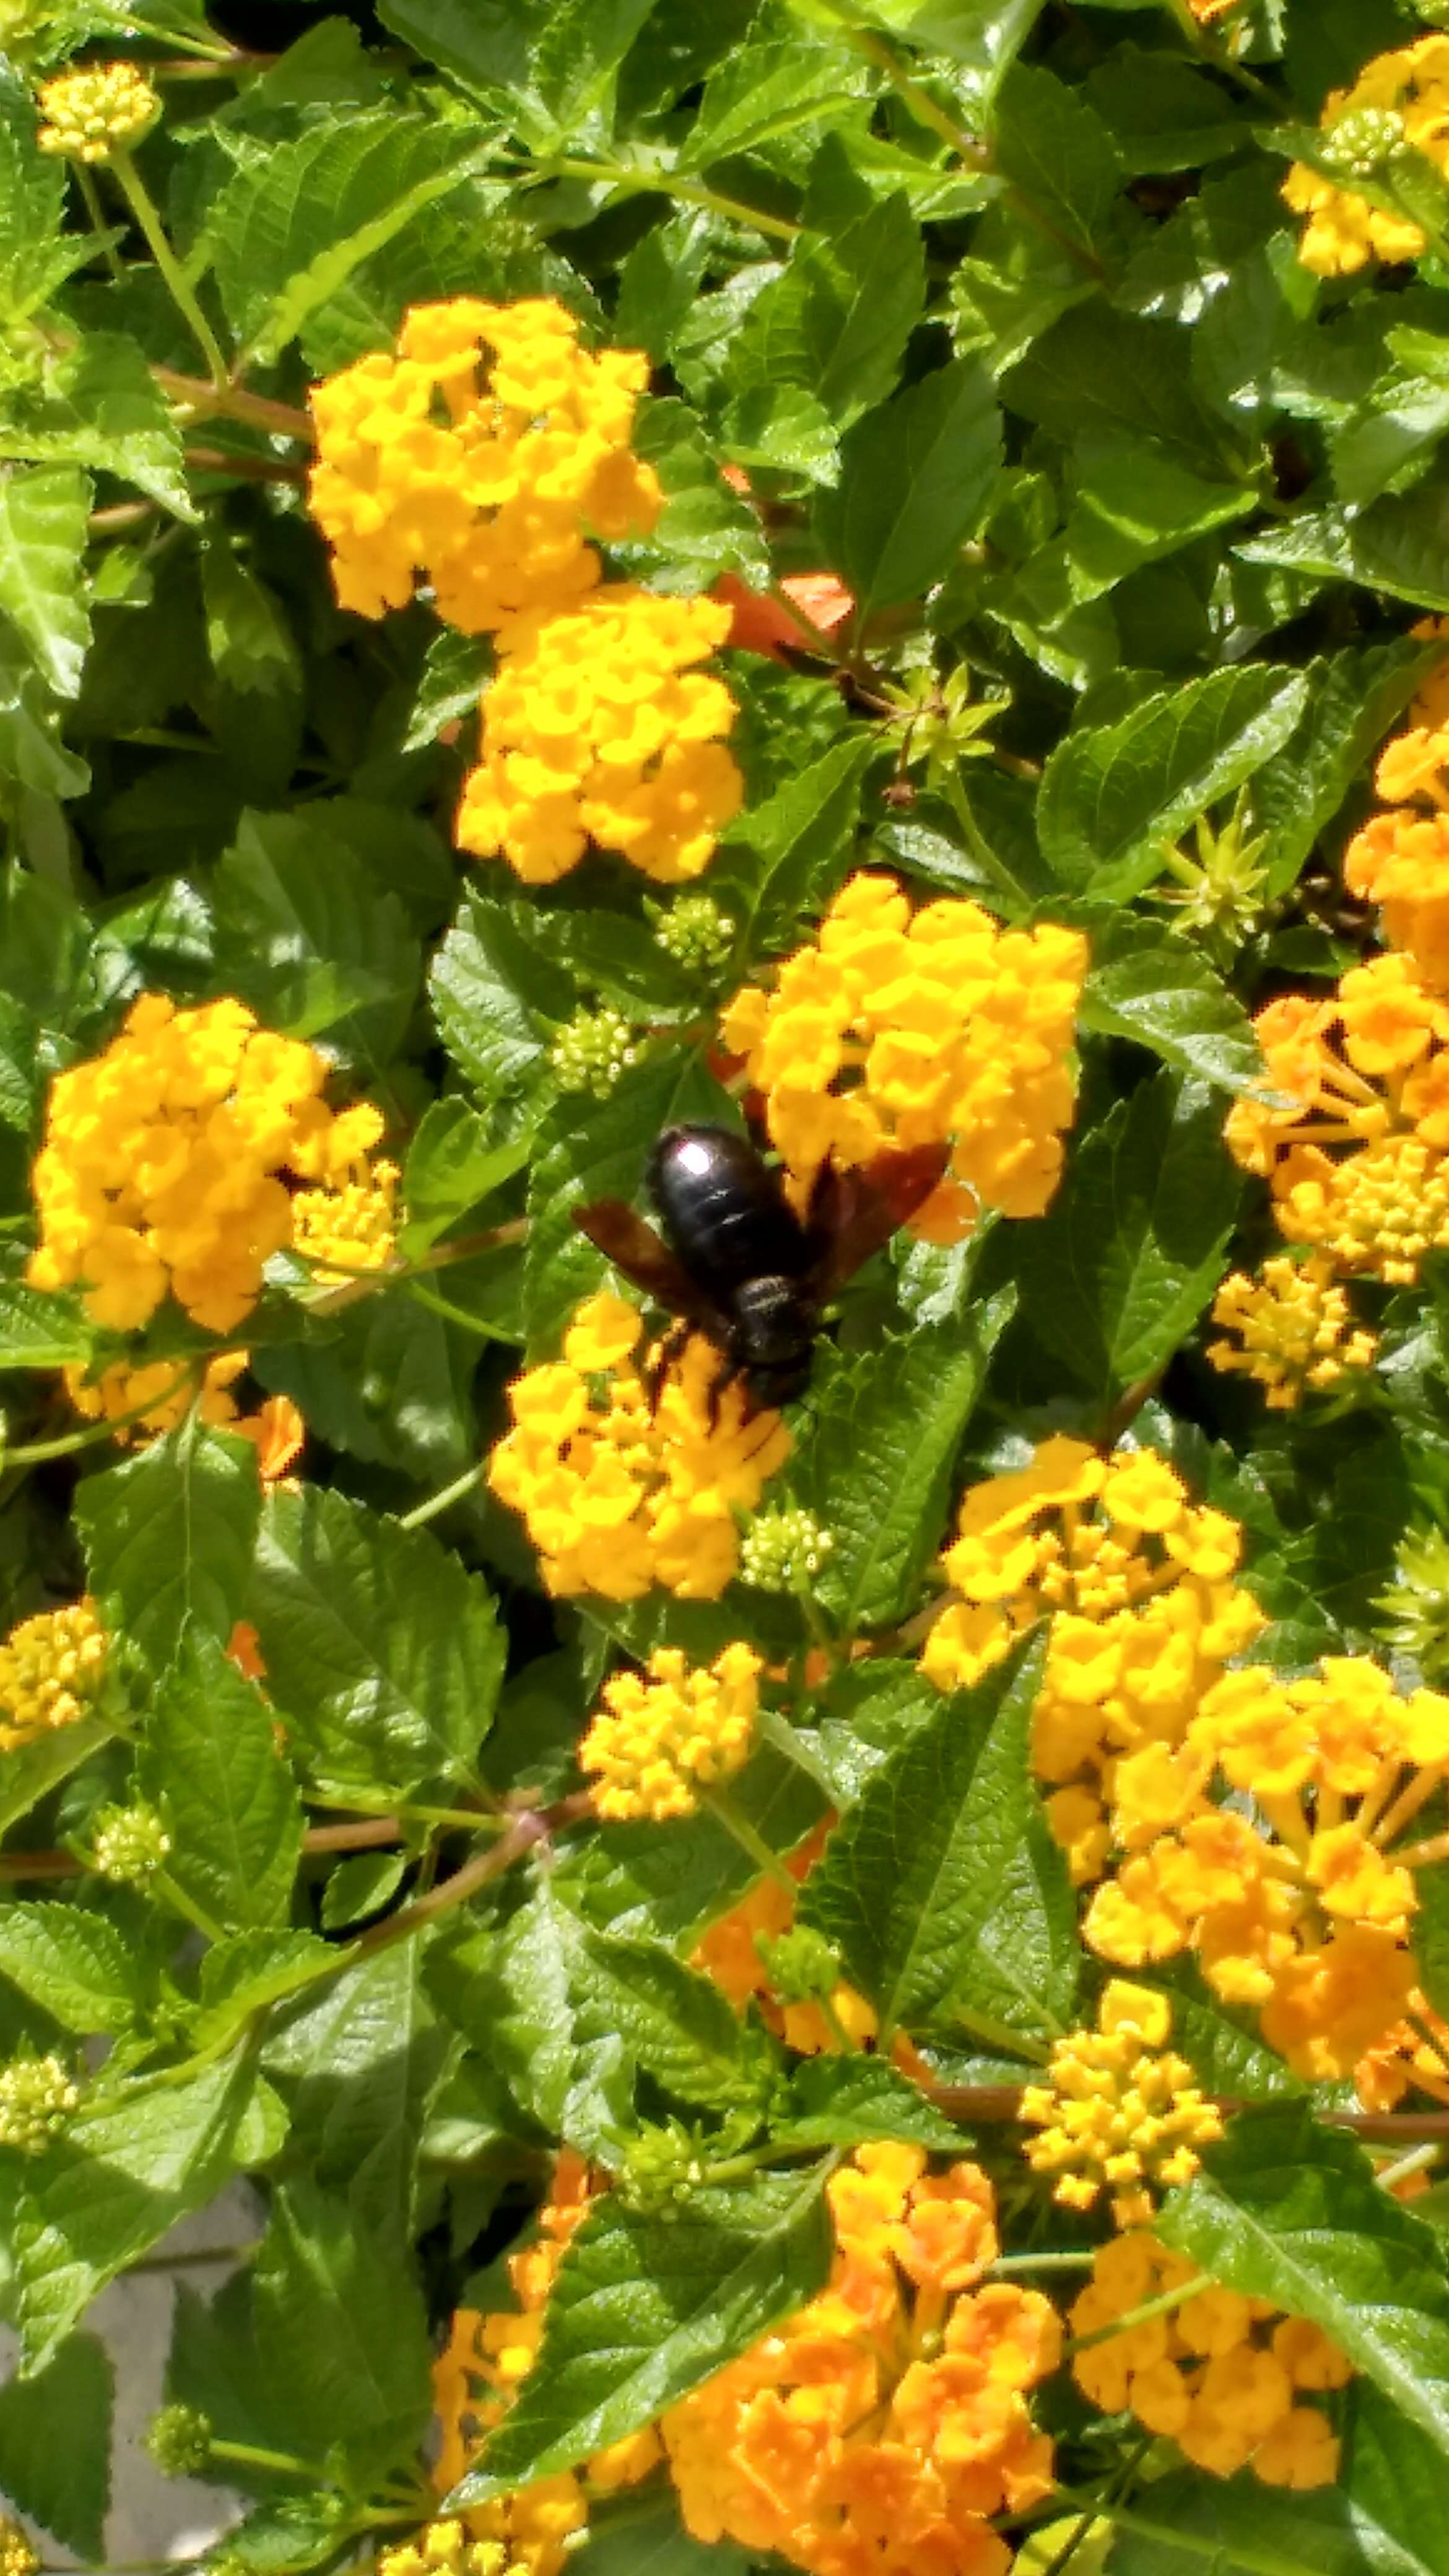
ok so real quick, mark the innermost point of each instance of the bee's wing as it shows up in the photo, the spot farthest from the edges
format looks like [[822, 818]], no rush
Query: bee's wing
[[853, 1213], [636, 1249]]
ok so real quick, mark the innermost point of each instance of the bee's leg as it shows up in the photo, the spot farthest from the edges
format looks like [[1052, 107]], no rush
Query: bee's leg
[[672, 1347], [723, 1380]]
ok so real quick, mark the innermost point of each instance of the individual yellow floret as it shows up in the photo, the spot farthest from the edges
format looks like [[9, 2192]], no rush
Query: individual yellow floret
[[658, 1741], [51, 1668], [597, 728], [89, 114]]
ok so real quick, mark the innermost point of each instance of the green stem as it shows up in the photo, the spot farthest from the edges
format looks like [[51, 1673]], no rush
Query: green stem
[[1080, 2259], [422, 1513], [1414, 2162], [1162, 2306], [252, 2456], [1217, 56], [37, 1452], [133, 189], [867, 40], [90, 198], [186, 1906], [233, 402], [666, 183], [719, 1804]]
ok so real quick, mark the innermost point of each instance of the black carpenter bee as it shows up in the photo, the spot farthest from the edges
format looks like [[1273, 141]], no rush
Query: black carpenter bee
[[738, 1264]]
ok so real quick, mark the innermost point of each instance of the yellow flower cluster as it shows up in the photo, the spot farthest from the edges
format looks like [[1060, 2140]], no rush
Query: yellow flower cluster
[[37, 2098], [875, 2431], [475, 2381], [51, 1667], [730, 1952], [1304, 1916], [1295, 1327], [619, 1494], [1119, 2108], [596, 727], [1412, 2057], [1216, 2375], [477, 457], [1137, 1583], [92, 113], [353, 1224], [657, 1742], [161, 1162], [1399, 99], [17, 2557], [901, 1029], [1354, 1148], [152, 1398]]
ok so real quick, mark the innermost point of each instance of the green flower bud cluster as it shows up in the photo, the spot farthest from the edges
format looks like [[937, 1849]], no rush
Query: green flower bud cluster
[[783, 1549], [1416, 1611], [803, 1967], [130, 1845], [662, 2166], [1359, 144], [695, 933], [593, 1051], [37, 2097], [179, 2441]]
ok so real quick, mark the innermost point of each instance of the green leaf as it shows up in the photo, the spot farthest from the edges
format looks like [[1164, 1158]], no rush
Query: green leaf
[[845, 2101], [100, 407], [878, 1468], [705, 528], [639, 2314], [1354, 696], [450, 686], [35, 253], [766, 89], [1163, 114], [789, 853], [341, 2335], [916, 479], [1188, 2523], [452, 1166], [1112, 794], [1155, 987], [251, 645], [1025, 1970], [578, 55], [497, 999], [1053, 146], [1397, 2485], [111, 2186], [291, 226], [169, 1536], [1396, 545], [382, 1651], [359, 2064], [913, 1873], [1116, 1273], [1290, 2211], [837, 318], [55, 2444], [675, 2023], [486, 41], [361, 1887], [1097, 372], [73, 1964], [658, 283], [31, 1773], [1131, 505], [315, 948], [242, 1975], [210, 1764], [641, 2542], [38, 1331], [43, 535]]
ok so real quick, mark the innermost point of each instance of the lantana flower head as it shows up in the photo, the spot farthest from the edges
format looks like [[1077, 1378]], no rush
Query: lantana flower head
[[166, 1390], [51, 1668], [882, 2425], [598, 727], [897, 1028], [163, 1162], [1305, 1913], [1223, 2376], [736, 1952], [97, 110], [619, 1493], [1119, 2109], [1353, 1146], [1399, 101], [1137, 1583], [1295, 1329], [479, 457], [663, 1736]]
